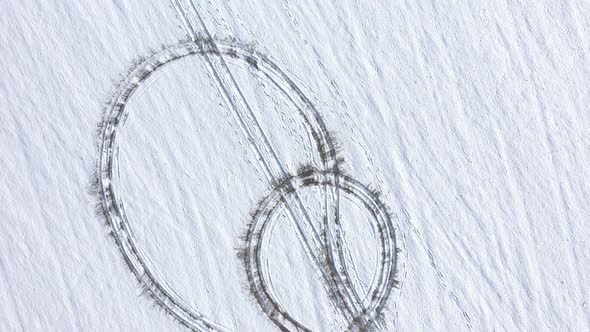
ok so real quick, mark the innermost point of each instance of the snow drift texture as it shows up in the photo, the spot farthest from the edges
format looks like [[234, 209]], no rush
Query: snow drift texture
[[471, 122]]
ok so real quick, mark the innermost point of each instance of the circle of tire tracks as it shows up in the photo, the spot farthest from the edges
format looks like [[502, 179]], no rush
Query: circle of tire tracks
[[113, 209], [262, 222]]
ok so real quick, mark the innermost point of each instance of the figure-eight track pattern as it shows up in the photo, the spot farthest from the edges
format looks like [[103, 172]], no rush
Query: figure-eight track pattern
[[362, 311]]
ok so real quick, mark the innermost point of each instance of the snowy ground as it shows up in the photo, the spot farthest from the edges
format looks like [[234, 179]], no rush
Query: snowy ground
[[472, 121]]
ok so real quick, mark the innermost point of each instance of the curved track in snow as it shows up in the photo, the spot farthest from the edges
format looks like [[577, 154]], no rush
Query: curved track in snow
[[324, 248]]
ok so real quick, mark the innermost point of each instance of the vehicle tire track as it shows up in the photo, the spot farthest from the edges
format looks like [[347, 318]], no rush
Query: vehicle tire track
[[262, 218], [326, 248]]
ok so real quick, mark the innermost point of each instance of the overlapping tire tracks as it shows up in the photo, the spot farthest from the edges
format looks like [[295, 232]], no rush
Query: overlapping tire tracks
[[324, 247]]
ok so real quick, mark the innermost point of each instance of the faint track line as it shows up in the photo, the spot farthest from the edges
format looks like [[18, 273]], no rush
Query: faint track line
[[255, 135]]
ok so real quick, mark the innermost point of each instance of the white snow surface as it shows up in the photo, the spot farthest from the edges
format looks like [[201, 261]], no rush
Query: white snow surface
[[471, 118]]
